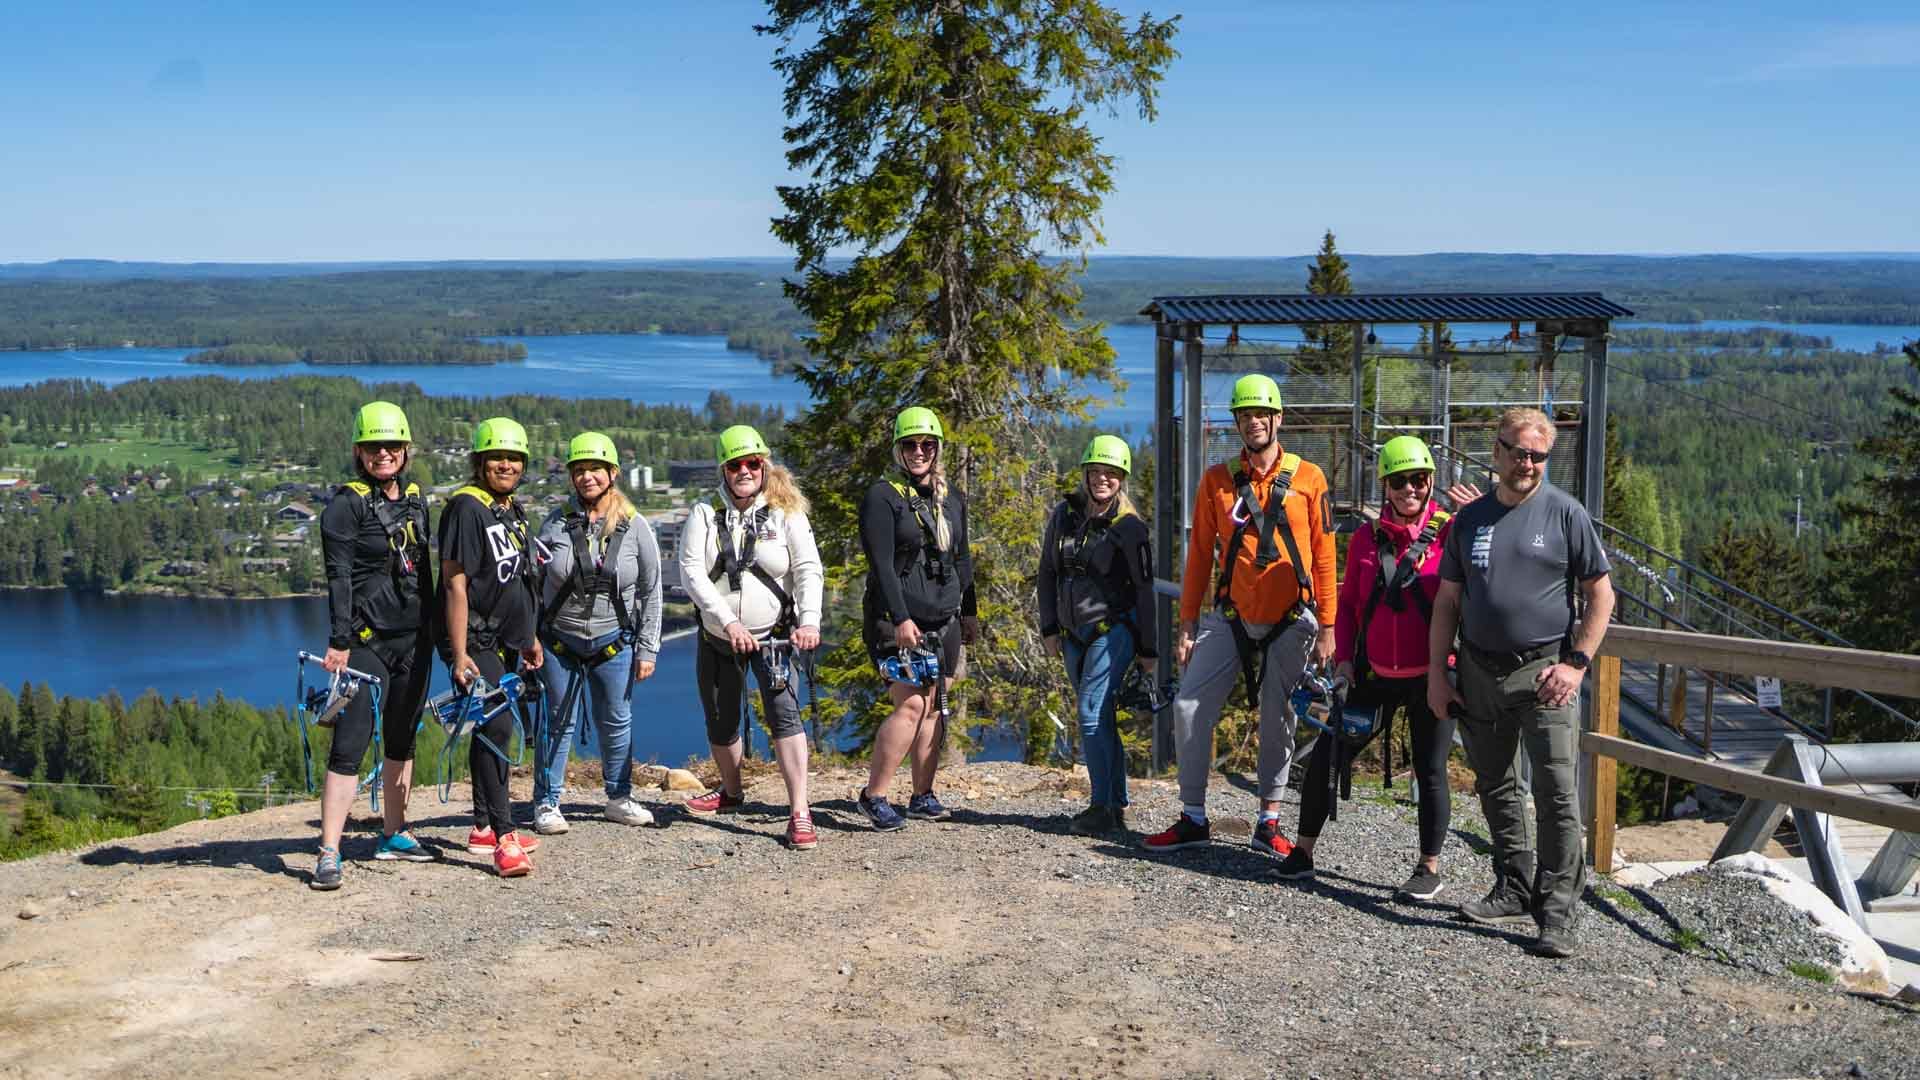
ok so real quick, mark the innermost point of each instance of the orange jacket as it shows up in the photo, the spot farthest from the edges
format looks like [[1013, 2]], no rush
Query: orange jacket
[[1261, 595]]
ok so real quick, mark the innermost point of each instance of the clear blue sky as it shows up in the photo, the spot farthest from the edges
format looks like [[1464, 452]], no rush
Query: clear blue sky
[[197, 131]]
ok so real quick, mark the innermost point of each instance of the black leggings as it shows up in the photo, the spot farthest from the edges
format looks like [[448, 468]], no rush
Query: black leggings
[[491, 806], [722, 681], [1432, 742], [404, 664]]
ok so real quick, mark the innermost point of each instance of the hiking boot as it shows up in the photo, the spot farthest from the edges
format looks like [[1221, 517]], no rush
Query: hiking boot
[[1182, 834], [1268, 840], [481, 842], [549, 821], [714, 802], [1423, 885], [625, 811], [510, 858], [1498, 908], [1093, 821], [800, 834], [326, 871], [881, 812], [402, 847], [1297, 866], [1557, 942], [926, 807]]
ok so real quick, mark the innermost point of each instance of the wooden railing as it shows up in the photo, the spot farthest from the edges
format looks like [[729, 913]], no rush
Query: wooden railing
[[1895, 674]]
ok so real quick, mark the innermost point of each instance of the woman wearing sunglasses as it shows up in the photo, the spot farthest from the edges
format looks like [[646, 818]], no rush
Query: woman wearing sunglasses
[[1380, 647], [913, 528], [749, 562], [373, 538]]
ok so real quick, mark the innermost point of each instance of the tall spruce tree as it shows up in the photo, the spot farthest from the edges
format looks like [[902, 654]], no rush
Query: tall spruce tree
[[944, 146], [1878, 592], [1328, 349]]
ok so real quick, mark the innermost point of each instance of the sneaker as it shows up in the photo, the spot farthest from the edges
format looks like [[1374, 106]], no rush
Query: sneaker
[[549, 821], [1297, 866], [714, 802], [800, 834], [402, 847], [1268, 840], [1093, 821], [881, 812], [326, 871], [625, 811], [1184, 833], [1423, 885], [1497, 908], [481, 842], [510, 858], [1555, 941], [927, 807]]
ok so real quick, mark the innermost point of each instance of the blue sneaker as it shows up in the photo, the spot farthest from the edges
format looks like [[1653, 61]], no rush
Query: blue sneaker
[[402, 847], [881, 812], [326, 871], [927, 808]]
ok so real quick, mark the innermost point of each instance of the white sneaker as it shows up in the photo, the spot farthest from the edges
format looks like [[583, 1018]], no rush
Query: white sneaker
[[547, 820], [628, 812]]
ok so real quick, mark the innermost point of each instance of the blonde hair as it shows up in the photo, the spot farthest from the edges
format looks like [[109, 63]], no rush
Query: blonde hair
[[942, 530], [1123, 503], [783, 493], [1523, 417]]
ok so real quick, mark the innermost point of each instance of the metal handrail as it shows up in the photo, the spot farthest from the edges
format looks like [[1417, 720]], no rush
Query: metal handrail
[[1692, 569]]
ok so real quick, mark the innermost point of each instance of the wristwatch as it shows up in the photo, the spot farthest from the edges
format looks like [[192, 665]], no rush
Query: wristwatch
[[1577, 660]]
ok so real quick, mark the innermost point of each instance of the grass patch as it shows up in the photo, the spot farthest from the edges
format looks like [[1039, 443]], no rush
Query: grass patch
[[1619, 897], [1812, 972], [126, 449], [1689, 940]]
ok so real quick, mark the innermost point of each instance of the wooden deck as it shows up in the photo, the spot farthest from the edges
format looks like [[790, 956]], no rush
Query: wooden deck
[[1742, 733]]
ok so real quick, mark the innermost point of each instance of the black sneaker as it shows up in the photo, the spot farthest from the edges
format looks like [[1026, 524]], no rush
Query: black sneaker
[[1557, 942], [1423, 885], [926, 807], [1093, 821], [1497, 908], [326, 871], [1297, 866], [1268, 840], [881, 812]]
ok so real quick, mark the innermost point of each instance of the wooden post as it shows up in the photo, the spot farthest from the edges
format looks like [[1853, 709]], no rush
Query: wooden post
[[1706, 711], [1677, 702], [1606, 721]]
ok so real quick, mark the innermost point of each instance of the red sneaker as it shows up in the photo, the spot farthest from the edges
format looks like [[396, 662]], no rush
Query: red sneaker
[[1269, 840], [1184, 833], [800, 834], [510, 857], [481, 842], [713, 802]]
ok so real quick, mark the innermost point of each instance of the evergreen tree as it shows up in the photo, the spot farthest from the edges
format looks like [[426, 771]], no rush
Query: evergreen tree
[[944, 146], [1328, 349], [1875, 585]]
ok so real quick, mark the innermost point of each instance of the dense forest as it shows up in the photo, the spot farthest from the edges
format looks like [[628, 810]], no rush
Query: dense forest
[[430, 349]]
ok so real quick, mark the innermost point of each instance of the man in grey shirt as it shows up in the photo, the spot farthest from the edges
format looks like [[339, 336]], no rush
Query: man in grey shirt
[[1513, 562]]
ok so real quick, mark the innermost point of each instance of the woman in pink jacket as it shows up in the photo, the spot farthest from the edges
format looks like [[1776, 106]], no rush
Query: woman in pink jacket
[[1380, 646]]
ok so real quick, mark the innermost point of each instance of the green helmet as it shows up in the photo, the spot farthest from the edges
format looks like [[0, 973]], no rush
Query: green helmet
[[917, 420], [593, 446], [1256, 392], [500, 433], [737, 442], [381, 421], [1404, 453], [1109, 450]]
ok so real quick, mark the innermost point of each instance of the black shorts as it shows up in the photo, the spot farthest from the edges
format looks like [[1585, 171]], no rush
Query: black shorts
[[880, 643]]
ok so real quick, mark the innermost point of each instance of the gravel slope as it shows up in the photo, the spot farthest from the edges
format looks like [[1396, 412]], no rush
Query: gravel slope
[[993, 945]]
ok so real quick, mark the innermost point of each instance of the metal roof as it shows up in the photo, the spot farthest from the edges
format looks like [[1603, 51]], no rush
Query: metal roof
[[1383, 308]]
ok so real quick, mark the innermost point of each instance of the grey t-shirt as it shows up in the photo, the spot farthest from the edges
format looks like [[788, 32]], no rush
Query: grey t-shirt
[[1514, 562]]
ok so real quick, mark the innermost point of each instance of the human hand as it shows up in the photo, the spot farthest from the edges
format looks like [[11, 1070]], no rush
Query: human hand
[[1557, 684], [1051, 643], [1462, 493], [907, 635], [969, 629], [1147, 663], [1323, 647], [533, 656], [1442, 697], [1183, 649], [642, 670], [335, 661], [462, 670], [807, 637], [740, 639], [1344, 671]]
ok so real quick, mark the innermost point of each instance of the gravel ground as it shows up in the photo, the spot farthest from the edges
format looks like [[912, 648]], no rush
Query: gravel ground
[[995, 944]]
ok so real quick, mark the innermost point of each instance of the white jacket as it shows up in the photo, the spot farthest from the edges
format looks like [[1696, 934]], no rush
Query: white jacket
[[783, 547]]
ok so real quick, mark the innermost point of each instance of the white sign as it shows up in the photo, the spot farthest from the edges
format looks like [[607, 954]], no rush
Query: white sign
[[1769, 691]]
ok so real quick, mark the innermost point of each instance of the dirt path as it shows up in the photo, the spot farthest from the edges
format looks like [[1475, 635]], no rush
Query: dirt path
[[993, 945]]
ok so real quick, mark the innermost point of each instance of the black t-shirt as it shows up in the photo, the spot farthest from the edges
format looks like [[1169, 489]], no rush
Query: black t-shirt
[[492, 548], [366, 584]]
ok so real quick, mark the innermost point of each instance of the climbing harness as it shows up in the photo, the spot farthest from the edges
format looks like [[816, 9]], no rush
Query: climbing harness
[[1264, 523], [929, 534], [732, 562], [1321, 702], [322, 705], [1139, 691], [462, 713], [409, 538], [921, 667], [1393, 581]]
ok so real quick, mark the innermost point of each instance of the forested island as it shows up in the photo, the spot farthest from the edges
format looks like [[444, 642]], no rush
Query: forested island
[[427, 351]]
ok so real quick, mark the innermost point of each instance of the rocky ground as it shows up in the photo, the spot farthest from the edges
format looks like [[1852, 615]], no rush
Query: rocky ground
[[993, 945]]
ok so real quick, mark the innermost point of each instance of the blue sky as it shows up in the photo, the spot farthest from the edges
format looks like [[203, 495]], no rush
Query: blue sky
[[233, 131]]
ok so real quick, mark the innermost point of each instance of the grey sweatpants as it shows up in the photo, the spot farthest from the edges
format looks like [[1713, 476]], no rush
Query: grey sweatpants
[[1211, 673]]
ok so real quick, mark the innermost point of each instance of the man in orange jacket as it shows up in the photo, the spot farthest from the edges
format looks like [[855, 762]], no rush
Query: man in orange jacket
[[1268, 515]]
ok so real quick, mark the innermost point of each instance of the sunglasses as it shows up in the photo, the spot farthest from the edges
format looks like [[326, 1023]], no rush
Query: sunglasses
[[385, 447], [1401, 481], [1537, 457], [920, 446], [745, 464]]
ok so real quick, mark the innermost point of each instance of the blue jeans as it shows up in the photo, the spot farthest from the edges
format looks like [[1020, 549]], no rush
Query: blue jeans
[[606, 688], [1097, 669]]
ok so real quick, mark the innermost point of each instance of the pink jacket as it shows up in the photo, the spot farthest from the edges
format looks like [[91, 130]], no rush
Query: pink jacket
[[1396, 640]]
